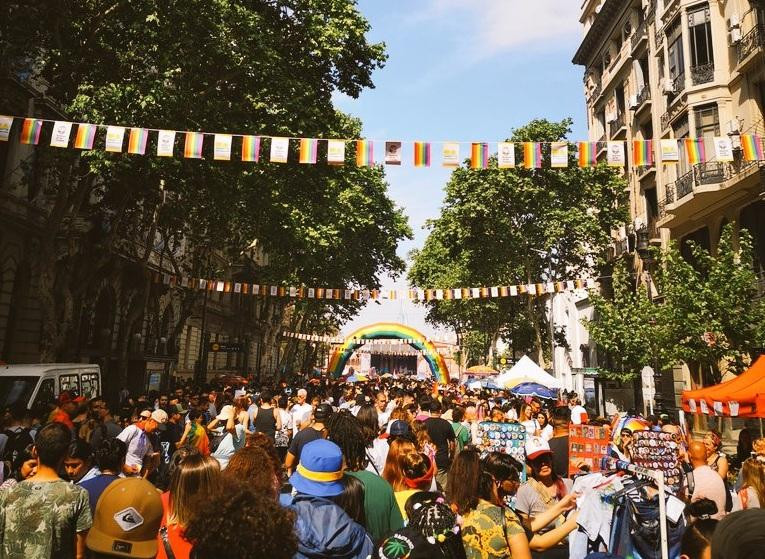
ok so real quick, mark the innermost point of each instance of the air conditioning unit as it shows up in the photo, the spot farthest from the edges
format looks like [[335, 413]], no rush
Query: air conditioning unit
[[735, 36], [734, 22], [633, 102], [667, 86]]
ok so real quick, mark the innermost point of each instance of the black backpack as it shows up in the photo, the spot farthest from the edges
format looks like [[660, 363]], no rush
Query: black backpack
[[17, 442]]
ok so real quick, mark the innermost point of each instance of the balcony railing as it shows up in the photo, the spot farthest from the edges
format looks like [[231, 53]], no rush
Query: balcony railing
[[616, 125], [672, 112], [753, 40], [678, 84], [702, 74], [639, 35], [596, 91], [643, 96], [711, 172]]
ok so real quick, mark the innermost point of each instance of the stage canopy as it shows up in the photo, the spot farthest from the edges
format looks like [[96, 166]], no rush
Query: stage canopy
[[525, 370], [743, 396]]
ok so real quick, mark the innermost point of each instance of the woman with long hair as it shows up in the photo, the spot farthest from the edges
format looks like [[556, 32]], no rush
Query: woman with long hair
[[376, 448], [194, 476], [752, 493], [528, 420], [545, 427], [418, 470], [351, 500], [715, 456], [195, 434], [393, 472], [423, 440], [283, 435]]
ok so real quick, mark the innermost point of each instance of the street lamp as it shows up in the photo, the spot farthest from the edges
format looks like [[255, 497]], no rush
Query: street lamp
[[643, 248], [548, 255]]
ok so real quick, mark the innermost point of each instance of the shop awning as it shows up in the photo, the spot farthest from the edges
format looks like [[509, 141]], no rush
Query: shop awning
[[743, 396]]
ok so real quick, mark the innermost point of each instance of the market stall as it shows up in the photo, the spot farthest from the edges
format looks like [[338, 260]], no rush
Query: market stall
[[743, 396]]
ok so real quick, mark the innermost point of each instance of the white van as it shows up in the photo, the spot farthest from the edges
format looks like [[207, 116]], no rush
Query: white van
[[41, 384]]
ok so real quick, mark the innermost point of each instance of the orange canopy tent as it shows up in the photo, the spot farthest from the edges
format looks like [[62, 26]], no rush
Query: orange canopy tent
[[743, 396]]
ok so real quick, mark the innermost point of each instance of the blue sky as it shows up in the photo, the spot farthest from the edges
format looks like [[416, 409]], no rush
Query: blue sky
[[461, 70]]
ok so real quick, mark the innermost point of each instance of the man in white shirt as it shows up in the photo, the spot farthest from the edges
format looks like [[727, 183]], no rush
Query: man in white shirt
[[381, 402], [578, 413], [707, 484], [139, 449], [301, 412]]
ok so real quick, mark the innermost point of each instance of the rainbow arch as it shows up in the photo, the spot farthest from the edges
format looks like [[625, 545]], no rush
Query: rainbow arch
[[389, 330]]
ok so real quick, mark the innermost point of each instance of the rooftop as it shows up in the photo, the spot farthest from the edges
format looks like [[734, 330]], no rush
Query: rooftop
[[602, 24]]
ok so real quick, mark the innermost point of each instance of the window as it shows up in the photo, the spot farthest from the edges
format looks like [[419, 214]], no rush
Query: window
[[707, 121], [46, 394], [69, 382], [89, 385], [700, 32], [676, 60]]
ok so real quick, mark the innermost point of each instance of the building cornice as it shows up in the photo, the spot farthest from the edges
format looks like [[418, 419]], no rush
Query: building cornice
[[602, 24]]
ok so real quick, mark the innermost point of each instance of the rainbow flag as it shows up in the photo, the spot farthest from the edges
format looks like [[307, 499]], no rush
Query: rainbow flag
[[532, 155], [193, 146], [694, 149], [588, 154], [752, 146], [479, 155], [250, 148], [365, 153], [30, 131], [422, 154], [137, 141], [642, 153], [309, 150], [86, 134]]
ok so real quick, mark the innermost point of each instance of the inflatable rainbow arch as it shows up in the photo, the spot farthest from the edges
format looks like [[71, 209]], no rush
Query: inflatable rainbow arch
[[389, 330]]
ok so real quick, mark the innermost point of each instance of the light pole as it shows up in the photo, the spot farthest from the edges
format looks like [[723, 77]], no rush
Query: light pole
[[551, 322], [646, 256]]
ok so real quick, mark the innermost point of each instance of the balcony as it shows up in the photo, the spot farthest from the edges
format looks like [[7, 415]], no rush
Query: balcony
[[642, 98], [704, 73], [678, 83], [595, 93], [753, 41], [617, 126], [639, 36]]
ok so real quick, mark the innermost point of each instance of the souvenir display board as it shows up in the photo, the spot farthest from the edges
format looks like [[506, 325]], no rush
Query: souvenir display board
[[587, 444], [508, 438], [659, 451]]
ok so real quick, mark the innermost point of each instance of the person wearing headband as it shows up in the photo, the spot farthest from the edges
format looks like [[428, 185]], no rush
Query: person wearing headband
[[418, 471]]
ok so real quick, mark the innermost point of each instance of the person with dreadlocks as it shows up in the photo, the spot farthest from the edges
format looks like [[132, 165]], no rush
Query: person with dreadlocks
[[383, 516]]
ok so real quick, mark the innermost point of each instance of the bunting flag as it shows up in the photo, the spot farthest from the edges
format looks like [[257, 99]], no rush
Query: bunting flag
[[115, 136], [532, 155], [450, 154], [642, 153], [165, 143], [479, 155], [393, 153], [505, 155], [587, 154], [30, 131], [694, 150], [723, 148], [222, 147], [751, 144], [559, 154], [85, 136], [137, 141], [59, 138], [422, 154], [669, 151], [280, 148], [6, 122], [251, 148], [615, 154], [193, 147], [309, 150], [365, 156], [336, 152]]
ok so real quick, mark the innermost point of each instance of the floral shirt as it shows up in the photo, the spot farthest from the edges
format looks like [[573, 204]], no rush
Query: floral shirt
[[485, 532]]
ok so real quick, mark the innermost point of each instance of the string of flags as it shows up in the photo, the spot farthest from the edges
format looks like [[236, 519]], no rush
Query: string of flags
[[645, 153], [414, 294], [385, 343]]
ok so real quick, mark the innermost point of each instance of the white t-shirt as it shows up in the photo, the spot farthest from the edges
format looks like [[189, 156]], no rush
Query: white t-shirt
[[578, 415], [138, 445], [300, 414], [229, 445], [377, 454], [547, 432], [382, 418], [531, 426]]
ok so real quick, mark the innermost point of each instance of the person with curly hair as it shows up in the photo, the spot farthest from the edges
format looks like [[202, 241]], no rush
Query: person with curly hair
[[236, 521], [253, 465]]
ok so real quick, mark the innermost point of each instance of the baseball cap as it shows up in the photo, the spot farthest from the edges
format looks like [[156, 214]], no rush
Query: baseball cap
[[126, 521], [145, 414], [323, 411], [160, 416], [320, 470], [226, 412], [399, 428], [536, 447]]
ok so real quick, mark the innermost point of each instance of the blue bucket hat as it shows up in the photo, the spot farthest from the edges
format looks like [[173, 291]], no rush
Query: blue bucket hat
[[320, 470]]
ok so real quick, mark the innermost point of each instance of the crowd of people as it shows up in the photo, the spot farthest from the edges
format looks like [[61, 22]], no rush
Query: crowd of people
[[389, 468]]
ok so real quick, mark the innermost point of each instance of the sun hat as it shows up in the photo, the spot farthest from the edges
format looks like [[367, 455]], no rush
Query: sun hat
[[225, 412], [160, 416], [126, 521], [145, 414], [536, 447], [320, 470]]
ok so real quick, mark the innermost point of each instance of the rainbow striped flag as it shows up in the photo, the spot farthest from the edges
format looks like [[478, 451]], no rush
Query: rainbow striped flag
[[30, 131], [137, 140], [588, 154], [642, 153], [479, 155], [250, 148], [694, 149], [193, 146], [422, 154], [86, 134], [309, 150], [752, 146], [532, 155], [365, 153]]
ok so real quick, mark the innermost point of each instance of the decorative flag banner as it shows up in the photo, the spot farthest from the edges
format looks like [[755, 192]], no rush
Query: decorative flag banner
[[505, 155], [669, 151], [309, 151], [85, 136], [30, 131], [251, 148], [422, 154], [723, 148], [61, 132], [450, 154], [222, 147], [193, 147], [559, 154], [280, 148], [5, 127], [752, 147], [479, 155], [615, 154], [137, 140], [392, 153], [694, 149], [587, 154], [166, 143], [336, 152], [642, 153], [365, 156], [532, 155], [115, 135]]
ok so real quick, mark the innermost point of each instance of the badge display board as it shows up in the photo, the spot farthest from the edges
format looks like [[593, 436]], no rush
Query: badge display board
[[587, 444], [507, 438], [659, 451]]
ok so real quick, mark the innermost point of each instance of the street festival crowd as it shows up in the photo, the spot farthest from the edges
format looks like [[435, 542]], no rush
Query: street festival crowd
[[389, 468]]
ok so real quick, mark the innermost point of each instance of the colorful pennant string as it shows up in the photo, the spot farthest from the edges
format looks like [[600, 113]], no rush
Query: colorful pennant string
[[193, 147], [250, 148], [30, 131], [309, 150], [694, 150], [751, 144], [587, 154], [85, 136], [137, 141], [422, 154], [365, 153], [532, 155], [479, 155], [642, 153]]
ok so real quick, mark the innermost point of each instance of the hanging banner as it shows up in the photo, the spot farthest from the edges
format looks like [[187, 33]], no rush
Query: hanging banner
[[137, 141], [192, 148], [85, 136], [505, 155], [559, 154], [30, 131], [393, 153], [335, 152], [309, 151], [694, 150], [422, 154], [5, 127], [222, 147], [165, 143], [642, 153], [615, 154], [751, 144], [115, 136], [450, 154], [587, 153], [669, 151], [60, 136], [280, 148], [251, 148], [723, 148], [532, 155]]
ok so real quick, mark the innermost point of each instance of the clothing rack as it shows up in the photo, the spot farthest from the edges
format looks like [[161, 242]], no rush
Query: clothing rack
[[658, 477]]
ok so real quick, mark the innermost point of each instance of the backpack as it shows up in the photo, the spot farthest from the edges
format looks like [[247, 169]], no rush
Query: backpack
[[17, 442]]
